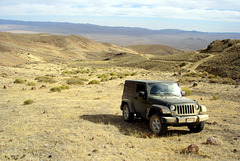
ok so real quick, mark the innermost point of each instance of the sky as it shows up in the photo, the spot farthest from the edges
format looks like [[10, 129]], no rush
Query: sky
[[198, 15]]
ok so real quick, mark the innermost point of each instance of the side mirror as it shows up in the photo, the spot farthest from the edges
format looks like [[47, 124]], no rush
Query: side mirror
[[141, 93], [183, 93]]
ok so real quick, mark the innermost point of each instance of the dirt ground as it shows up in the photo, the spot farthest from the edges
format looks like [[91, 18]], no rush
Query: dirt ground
[[85, 122]]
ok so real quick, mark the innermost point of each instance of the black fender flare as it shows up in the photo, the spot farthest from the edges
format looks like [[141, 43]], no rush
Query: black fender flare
[[158, 109], [130, 105]]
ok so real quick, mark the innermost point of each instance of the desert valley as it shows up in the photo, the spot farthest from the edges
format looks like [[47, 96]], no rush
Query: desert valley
[[61, 96]]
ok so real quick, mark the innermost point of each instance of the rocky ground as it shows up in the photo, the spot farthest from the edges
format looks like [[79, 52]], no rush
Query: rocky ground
[[85, 123]]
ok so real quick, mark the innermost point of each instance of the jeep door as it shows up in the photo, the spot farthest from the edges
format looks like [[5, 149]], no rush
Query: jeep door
[[140, 101]]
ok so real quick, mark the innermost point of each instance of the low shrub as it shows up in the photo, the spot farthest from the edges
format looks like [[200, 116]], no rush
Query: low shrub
[[121, 76], [186, 80], [19, 81], [127, 74], [113, 73], [215, 97], [213, 80], [211, 76], [113, 77], [45, 79], [134, 73], [65, 86], [28, 102], [104, 79], [59, 88], [56, 89], [75, 81], [228, 81], [182, 64], [103, 76], [94, 82], [31, 83]]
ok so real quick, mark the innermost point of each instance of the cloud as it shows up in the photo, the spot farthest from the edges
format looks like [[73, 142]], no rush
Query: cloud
[[214, 10]]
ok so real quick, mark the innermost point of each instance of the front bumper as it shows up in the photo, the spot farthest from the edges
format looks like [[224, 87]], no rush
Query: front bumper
[[184, 119]]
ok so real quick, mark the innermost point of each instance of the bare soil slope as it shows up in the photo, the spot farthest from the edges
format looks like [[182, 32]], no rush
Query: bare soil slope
[[21, 48], [159, 50]]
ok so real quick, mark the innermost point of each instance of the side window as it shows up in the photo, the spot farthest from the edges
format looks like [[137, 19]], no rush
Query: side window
[[141, 87]]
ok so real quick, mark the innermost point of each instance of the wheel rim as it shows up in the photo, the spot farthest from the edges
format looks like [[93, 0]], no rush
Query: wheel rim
[[156, 125], [125, 112]]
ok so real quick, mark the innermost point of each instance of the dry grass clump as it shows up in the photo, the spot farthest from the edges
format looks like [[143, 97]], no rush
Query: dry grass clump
[[76, 81], [213, 80], [94, 82], [105, 79], [19, 81], [81, 71], [113, 73], [182, 64], [215, 97], [185, 80], [228, 81], [134, 73], [59, 88], [28, 102], [45, 79], [31, 83], [200, 74], [121, 76], [113, 77], [103, 76]]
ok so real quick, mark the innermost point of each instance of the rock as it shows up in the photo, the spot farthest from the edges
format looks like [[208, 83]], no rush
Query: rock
[[4, 87], [95, 151], [33, 88], [235, 150], [175, 74], [195, 84], [43, 86], [193, 148], [212, 141]]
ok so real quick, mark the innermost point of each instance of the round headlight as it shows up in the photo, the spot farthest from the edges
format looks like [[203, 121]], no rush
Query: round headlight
[[197, 107], [172, 108]]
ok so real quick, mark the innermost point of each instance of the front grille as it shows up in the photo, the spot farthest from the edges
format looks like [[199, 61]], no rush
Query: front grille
[[185, 109]]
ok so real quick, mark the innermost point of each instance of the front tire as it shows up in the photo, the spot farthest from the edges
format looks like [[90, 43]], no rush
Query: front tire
[[127, 115], [156, 125], [196, 128]]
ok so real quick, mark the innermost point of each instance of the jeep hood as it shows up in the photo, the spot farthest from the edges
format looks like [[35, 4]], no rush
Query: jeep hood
[[169, 100]]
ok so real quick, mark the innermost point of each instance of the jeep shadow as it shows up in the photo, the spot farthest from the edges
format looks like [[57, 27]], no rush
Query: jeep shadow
[[138, 128]]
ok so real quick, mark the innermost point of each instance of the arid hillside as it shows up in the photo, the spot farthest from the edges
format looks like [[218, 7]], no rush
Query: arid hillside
[[226, 58], [22, 48], [159, 50], [221, 58]]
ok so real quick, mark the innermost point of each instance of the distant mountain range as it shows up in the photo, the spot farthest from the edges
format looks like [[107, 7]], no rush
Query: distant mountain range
[[122, 36]]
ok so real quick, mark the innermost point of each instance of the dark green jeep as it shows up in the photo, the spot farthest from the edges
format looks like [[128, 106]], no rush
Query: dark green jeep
[[162, 103]]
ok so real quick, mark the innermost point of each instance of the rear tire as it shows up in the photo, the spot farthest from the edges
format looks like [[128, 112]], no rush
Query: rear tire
[[127, 115], [196, 128], [156, 125]]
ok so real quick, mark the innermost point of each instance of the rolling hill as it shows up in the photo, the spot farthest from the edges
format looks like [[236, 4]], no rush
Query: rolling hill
[[155, 49], [22, 48], [122, 36]]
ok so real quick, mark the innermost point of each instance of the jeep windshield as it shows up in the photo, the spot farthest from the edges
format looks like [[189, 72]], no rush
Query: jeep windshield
[[164, 89]]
